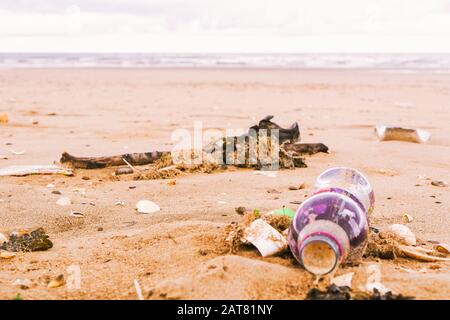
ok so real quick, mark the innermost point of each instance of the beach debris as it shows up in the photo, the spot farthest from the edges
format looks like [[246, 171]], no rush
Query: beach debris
[[300, 187], [408, 218], [306, 148], [399, 232], [385, 133], [146, 206], [421, 255], [6, 255], [138, 289], [439, 183], [26, 170], [270, 174], [334, 292], [265, 238], [3, 238], [284, 211], [36, 240], [440, 247], [79, 190], [76, 214], [344, 280], [123, 170], [57, 282], [4, 118], [64, 201], [23, 284], [135, 159], [18, 153]]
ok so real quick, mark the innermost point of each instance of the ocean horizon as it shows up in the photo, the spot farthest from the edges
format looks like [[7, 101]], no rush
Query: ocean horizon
[[399, 61]]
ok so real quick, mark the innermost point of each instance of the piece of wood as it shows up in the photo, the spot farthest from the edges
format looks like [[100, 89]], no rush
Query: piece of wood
[[135, 159]]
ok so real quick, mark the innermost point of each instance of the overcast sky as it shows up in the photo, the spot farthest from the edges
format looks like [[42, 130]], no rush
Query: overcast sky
[[225, 26]]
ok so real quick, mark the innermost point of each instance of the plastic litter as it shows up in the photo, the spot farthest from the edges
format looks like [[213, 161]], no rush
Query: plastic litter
[[331, 227], [265, 238], [26, 170], [385, 133]]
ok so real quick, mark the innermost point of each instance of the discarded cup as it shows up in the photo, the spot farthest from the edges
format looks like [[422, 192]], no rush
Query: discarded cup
[[385, 133], [331, 227]]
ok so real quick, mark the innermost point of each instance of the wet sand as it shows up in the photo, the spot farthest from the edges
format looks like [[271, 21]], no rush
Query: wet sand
[[90, 112]]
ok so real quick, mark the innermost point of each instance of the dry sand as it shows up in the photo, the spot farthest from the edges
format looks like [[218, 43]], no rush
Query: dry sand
[[172, 253]]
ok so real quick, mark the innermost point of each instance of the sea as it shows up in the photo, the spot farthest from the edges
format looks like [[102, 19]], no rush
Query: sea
[[439, 62]]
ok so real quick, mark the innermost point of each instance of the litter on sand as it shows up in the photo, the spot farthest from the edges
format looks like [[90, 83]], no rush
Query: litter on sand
[[385, 133], [334, 292], [36, 240], [265, 238], [26, 170]]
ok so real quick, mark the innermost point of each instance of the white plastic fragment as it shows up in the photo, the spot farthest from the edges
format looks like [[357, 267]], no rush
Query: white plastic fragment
[[64, 201], [385, 133], [146, 206], [34, 170], [265, 238], [344, 280], [270, 174]]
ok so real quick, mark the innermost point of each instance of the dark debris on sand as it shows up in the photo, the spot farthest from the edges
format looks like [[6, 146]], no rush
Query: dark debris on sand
[[36, 240], [334, 292]]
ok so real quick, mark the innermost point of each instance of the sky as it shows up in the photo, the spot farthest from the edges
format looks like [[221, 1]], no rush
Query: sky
[[219, 26]]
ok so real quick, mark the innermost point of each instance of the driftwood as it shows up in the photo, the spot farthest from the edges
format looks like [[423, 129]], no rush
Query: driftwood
[[136, 159], [290, 151], [306, 148]]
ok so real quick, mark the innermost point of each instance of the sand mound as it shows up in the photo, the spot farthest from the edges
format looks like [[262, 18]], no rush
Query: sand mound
[[234, 277]]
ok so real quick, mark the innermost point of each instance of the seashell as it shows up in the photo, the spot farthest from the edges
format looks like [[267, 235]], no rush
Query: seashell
[[408, 218], [57, 282], [146, 206], [120, 203], [440, 247], [77, 214], [64, 201], [412, 252], [265, 238], [50, 185], [7, 255], [401, 233]]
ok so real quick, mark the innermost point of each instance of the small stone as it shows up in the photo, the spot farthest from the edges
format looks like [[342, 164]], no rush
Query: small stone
[[64, 201], [57, 282], [56, 192], [172, 183], [439, 183], [7, 255], [408, 218], [241, 210], [293, 188], [85, 178]]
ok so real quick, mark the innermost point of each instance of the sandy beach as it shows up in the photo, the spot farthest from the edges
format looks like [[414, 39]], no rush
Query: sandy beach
[[95, 112]]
